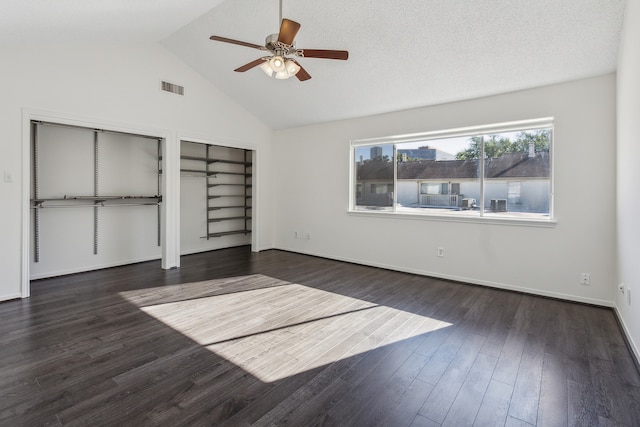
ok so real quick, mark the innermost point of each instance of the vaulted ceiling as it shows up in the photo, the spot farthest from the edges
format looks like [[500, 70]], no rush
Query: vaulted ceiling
[[402, 54]]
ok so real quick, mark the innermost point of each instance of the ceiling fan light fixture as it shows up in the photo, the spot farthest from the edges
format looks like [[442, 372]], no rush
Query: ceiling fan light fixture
[[277, 63], [292, 67], [282, 75], [288, 68], [267, 69]]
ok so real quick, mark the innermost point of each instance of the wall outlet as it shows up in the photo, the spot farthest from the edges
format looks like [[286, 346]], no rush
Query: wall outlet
[[621, 288], [440, 251], [296, 235], [585, 279]]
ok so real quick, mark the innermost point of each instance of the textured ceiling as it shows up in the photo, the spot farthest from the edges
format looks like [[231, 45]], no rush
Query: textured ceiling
[[138, 21], [403, 54]]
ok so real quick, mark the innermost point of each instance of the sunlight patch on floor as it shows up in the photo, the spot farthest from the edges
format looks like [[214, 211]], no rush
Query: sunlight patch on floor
[[274, 329]]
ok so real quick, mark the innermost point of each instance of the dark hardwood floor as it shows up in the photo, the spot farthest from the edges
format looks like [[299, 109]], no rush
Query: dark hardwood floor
[[236, 338]]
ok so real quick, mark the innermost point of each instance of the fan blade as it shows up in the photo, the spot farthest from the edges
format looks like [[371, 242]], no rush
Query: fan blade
[[302, 74], [238, 42], [288, 31], [250, 65], [323, 53]]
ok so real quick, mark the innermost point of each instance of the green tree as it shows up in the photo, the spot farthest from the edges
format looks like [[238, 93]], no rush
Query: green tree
[[384, 159], [540, 138], [496, 146]]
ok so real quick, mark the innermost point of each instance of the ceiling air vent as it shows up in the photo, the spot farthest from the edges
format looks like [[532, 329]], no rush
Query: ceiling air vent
[[173, 88]]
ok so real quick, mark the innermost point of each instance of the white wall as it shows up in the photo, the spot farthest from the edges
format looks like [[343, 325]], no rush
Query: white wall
[[116, 85], [629, 173], [311, 172]]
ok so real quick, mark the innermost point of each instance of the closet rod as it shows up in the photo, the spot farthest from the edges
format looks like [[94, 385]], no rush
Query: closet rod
[[95, 129], [100, 205], [61, 199]]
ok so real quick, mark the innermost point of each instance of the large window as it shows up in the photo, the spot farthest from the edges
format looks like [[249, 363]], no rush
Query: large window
[[499, 171]]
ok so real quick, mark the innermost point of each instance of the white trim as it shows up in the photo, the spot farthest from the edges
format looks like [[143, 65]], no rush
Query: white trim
[[199, 251], [9, 297], [28, 115], [457, 132], [457, 218], [482, 177], [225, 142], [468, 280], [92, 123], [171, 233], [255, 182], [93, 267], [625, 329], [25, 213], [352, 178]]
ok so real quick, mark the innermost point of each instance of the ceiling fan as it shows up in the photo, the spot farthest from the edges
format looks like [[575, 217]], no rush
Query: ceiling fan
[[281, 46]]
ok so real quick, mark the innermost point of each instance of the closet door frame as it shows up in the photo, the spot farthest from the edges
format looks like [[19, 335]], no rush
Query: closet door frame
[[255, 208], [170, 259]]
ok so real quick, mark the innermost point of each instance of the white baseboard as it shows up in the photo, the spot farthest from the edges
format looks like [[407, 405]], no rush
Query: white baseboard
[[470, 280], [201, 250], [627, 334], [9, 297], [91, 268]]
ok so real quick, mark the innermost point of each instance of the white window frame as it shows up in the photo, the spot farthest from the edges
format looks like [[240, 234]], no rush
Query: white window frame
[[504, 127]]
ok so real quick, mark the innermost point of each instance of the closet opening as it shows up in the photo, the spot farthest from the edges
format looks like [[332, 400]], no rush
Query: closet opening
[[95, 199], [216, 196]]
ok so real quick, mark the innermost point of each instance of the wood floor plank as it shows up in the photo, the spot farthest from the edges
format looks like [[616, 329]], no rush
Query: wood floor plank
[[495, 405], [367, 382], [526, 390], [390, 392], [553, 404], [582, 410], [314, 397], [237, 338], [624, 365], [515, 422], [408, 404], [441, 400], [510, 356], [263, 397], [421, 421], [450, 344], [467, 403]]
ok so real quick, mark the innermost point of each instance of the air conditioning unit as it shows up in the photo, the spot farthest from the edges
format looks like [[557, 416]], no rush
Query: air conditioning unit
[[468, 203], [499, 205]]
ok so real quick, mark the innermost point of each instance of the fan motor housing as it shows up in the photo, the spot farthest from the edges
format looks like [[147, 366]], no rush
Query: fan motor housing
[[271, 42]]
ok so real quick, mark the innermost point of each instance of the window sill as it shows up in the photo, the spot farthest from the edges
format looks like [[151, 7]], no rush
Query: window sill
[[520, 222]]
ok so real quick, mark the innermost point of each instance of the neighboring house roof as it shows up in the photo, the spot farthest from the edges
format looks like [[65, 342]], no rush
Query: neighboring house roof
[[375, 170], [519, 165], [511, 165], [431, 169]]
